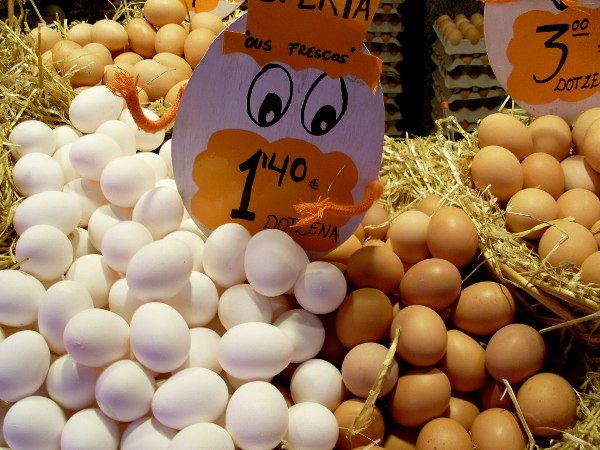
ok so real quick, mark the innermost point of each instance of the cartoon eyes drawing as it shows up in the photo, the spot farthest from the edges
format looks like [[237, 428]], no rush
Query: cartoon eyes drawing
[[270, 96]]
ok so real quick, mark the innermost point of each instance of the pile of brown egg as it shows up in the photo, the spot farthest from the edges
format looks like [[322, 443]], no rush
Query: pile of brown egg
[[461, 27], [162, 48]]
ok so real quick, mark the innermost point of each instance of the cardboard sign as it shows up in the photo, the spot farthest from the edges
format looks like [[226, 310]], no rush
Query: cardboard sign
[[221, 8], [252, 140], [546, 55]]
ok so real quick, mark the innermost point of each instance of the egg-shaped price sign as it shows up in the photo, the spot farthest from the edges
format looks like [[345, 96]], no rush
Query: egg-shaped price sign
[[284, 109], [546, 54]]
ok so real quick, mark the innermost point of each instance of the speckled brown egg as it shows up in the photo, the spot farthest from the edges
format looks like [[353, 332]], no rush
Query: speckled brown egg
[[170, 38], [162, 12], [498, 168], [141, 37], [433, 282], [544, 172], [483, 308], [444, 433], [515, 352], [590, 269], [365, 315], [528, 209], [452, 236], [463, 410], [505, 131], [345, 414], [581, 124], [579, 174], [361, 368], [207, 20], [80, 33], [377, 267], [422, 339], [376, 222], [549, 404], [551, 135], [580, 204], [111, 34], [464, 362], [567, 242], [497, 429]]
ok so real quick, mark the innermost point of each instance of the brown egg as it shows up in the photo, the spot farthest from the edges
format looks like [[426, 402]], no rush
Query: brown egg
[[581, 124], [333, 350], [494, 395], [472, 34], [454, 36], [344, 251], [376, 222], [452, 236], [87, 67], [112, 69], [162, 12], [196, 45], [579, 174], [408, 236], [377, 267], [370, 242], [497, 429], [430, 204], [47, 61], [459, 18], [505, 131], [100, 52], [549, 404], [464, 362], [345, 414], [581, 204], [170, 38], [361, 368], [61, 53], [141, 37], [483, 308], [207, 20], [48, 37], [433, 282], [544, 172], [111, 34], [498, 168], [444, 433], [477, 19], [530, 208], [130, 58], [551, 135], [158, 78], [365, 315], [591, 145], [401, 438], [420, 395], [423, 339], [575, 243], [590, 269], [80, 33], [360, 233], [182, 71], [465, 25], [462, 410], [142, 96], [515, 352]]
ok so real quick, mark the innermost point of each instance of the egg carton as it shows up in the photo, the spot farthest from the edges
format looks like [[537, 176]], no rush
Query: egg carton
[[389, 56], [384, 47], [463, 113], [464, 47], [392, 111], [468, 81], [443, 93], [383, 39], [389, 6], [380, 37], [394, 128], [451, 62], [387, 27]]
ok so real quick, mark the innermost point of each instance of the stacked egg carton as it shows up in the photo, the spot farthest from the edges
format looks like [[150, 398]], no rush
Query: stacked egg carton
[[383, 41], [463, 77]]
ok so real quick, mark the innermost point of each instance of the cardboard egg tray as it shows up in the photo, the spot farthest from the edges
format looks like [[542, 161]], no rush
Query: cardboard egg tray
[[451, 62], [464, 47], [467, 80], [470, 114], [444, 93], [379, 37], [394, 128], [388, 7], [387, 23]]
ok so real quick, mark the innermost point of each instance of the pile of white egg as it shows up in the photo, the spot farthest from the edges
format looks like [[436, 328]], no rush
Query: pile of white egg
[[125, 327]]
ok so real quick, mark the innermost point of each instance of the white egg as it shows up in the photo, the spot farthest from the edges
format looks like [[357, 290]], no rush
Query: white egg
[[170, 183], [194, 242], [125, 179], [89, 195], [96, 275], [241, 304], [55, 208], [122, 241], [165, 154], [96, 337], [223, 257], [145, 141], [159, 270], [20, 296], [121, 133], [34, 423], [160, 209], [124, 391], [37, 172], [90, 429], [24, 362], [44, 251], [272, 262], [71, 384], [159, 167], [61, 155], [320, 287], [254, 350], [64, 135], [311, 427], [3, 409], [58, 305], [204, 350], [33, 136], [121, 300], [189, 225], [160, 338], [146, 434], [82, 245], [94, 106], [202, 436], [192, 395], [102, 219], [91, 153], [197, 301], [257, 416], [306, 332], [317, 380]]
